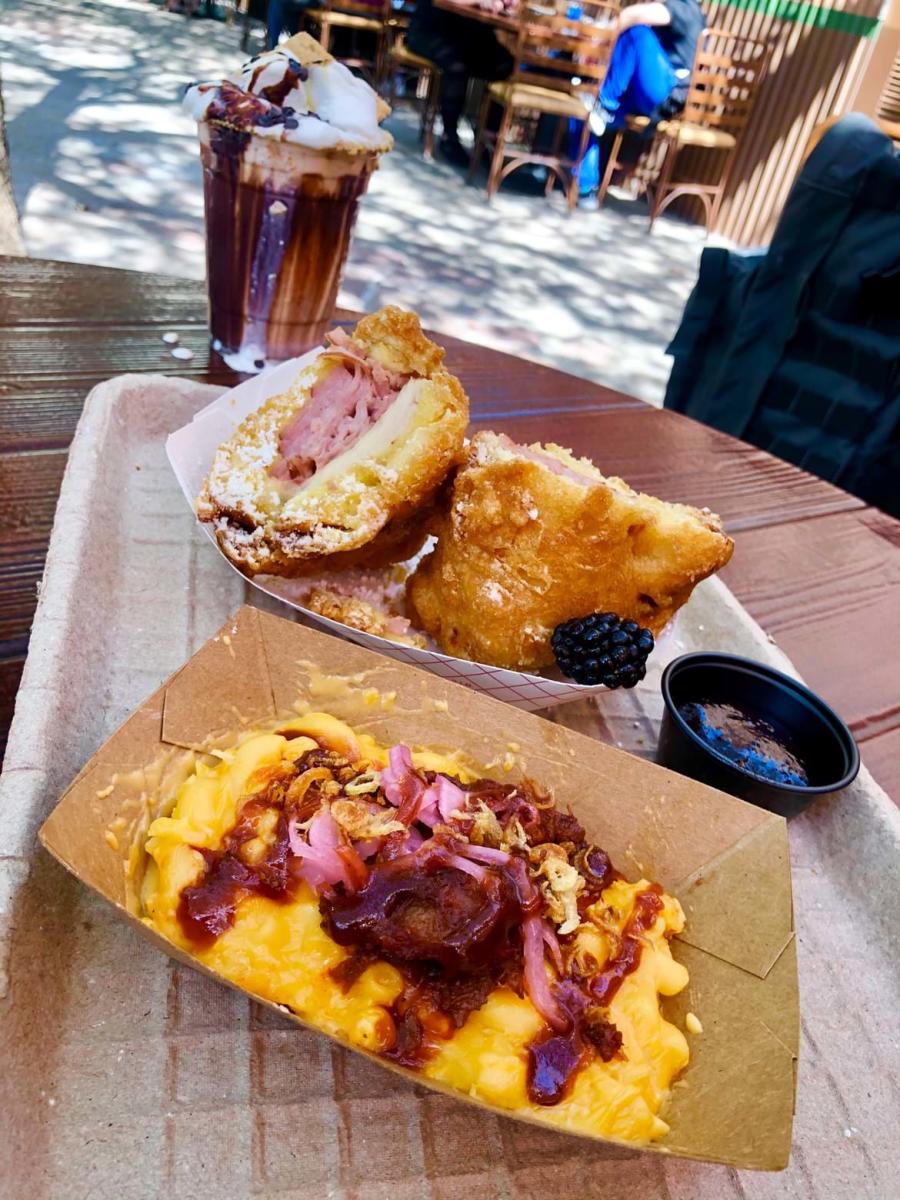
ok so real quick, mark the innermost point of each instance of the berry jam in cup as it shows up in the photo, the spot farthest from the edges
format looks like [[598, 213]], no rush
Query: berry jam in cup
[[287, 147], [748, 729]]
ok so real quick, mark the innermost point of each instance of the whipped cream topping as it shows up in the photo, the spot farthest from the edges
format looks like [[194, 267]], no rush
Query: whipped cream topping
[[296, 93]]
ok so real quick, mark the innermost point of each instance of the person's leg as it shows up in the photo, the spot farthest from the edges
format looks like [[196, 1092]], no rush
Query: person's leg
[[448, 55], [639, 76], [275, 21], [619, 73], [654, 76], [485, 57]]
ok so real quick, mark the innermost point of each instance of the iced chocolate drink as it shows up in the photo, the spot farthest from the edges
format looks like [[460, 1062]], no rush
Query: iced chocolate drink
[[287, 148]]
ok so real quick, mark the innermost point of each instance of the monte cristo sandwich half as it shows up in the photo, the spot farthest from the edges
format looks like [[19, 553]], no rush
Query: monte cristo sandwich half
[[533, 538], [401, 901], [342, 468]]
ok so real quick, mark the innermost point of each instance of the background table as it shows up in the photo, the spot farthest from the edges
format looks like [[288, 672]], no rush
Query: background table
[[473, 11], [815, 566]]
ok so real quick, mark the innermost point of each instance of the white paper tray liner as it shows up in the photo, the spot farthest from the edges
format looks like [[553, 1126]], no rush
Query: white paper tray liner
[[191, 450]]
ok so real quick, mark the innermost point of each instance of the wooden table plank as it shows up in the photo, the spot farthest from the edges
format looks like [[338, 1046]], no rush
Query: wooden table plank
[[678, 459], [56, 359], [62, 327], [881, 754], [473, 10], [50, 293], [43, 416], [840, 615], [29, 485], [11, 668], [817, 567]]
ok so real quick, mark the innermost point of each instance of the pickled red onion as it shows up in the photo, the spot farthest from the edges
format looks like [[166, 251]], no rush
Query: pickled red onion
[[552, 944], [486, 854], [463, 864], [403, 786], [324, 833], [536, 981], [449, 796], [322, 864]]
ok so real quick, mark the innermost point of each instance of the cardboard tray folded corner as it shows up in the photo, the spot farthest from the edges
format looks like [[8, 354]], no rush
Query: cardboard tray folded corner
[[727, 861]]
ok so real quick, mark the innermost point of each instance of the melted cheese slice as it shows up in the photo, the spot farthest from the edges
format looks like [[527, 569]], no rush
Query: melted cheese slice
[[280, 952], [375, 445]]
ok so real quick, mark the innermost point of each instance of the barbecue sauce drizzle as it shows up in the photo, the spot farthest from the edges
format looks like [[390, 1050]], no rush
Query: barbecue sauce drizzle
[[207, 909], [434, 1001], [555, 1058]]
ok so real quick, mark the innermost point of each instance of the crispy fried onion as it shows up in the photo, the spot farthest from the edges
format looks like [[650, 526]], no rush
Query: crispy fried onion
[[482, 827], [560, 885], [485, 829], [360, 819], [304, 782], [588, 952], [369, 781]]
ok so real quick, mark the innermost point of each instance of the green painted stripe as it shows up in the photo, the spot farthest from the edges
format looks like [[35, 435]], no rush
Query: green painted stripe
[[804, 13]]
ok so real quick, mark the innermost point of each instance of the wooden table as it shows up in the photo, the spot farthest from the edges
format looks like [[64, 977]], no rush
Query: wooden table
[[815, 566], [472, 10]]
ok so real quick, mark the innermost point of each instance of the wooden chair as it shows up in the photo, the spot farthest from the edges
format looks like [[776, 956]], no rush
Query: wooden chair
[[560, 63], [358, 18], [727, 74], [403, 61]]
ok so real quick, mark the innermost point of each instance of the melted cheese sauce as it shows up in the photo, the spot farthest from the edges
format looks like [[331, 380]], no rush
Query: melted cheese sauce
[[280, 952]]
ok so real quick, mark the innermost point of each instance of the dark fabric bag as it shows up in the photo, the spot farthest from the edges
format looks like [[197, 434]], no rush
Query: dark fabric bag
[[797, 349]]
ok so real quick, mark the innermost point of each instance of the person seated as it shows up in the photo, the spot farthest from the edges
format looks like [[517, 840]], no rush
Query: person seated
[[650, 66], [285, 16], [463, 49]]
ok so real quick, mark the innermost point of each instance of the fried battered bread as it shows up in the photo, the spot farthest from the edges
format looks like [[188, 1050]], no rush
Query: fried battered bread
[[343, 466], [534, 536], [360, 614]]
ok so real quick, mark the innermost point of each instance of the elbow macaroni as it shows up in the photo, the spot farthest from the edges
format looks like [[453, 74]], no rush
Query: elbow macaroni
[[280, 952]]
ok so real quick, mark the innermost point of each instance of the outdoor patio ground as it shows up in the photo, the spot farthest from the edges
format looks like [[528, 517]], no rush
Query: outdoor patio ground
[[105, 170]]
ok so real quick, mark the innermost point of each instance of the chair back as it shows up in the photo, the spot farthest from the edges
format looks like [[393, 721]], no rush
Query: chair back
[[728, 71], [566, 53]]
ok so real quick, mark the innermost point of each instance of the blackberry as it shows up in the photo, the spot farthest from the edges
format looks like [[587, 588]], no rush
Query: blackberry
[[602, 648]]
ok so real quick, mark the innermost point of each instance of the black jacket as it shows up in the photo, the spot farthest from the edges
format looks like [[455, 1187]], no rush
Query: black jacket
[[797, 350]]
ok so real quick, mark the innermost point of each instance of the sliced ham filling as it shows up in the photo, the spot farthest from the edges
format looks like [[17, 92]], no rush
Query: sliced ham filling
[[343, 405], [545, 460]]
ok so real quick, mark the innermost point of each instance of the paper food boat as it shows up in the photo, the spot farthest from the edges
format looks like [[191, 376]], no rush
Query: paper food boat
[[726, 861], [191, 450]]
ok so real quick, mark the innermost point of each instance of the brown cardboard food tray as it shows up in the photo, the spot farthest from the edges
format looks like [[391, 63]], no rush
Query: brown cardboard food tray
[[129, 1076], [726, 860]]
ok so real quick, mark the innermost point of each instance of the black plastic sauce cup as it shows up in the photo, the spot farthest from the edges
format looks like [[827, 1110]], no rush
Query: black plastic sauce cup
[[822, 741]]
